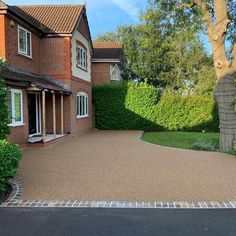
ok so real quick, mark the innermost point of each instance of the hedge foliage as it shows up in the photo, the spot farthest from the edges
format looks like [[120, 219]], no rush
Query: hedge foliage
[[4, 118], [9, 161], [124, 106], [132, 106], [187, 113]]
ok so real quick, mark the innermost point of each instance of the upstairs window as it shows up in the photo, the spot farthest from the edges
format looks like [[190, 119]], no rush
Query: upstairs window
[[24, 42], [81, 57], [16, 107], [82, 105], [115, 72]]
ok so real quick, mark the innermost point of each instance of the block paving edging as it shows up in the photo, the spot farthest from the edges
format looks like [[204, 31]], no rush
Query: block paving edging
[[13, 201]]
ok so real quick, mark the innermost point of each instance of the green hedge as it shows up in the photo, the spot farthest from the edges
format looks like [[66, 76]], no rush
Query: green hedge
[[193, 113], [124, 106], [4, 110], [9, 161], [128, 105]]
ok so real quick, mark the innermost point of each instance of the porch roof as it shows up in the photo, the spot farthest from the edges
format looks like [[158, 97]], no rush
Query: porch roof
[[22, 78]]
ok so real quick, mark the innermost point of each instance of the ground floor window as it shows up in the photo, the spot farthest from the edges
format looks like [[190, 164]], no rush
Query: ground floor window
[[16, 107], [82, 105]]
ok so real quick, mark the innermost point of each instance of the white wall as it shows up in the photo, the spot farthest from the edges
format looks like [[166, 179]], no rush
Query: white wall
[[77, 72]]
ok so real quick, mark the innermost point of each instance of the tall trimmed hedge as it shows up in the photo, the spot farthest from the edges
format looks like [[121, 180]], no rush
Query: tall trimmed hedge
[[132, 106], [187, 113], [4, 119], [124, 106]]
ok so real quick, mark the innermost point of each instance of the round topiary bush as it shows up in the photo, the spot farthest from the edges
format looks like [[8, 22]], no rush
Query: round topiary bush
[[10, 156]]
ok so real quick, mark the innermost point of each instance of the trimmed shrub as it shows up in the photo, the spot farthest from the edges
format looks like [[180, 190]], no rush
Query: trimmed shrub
[[10, 156], [187, 113], [4, 119], [126, 105], [129, 105], [203, 146]]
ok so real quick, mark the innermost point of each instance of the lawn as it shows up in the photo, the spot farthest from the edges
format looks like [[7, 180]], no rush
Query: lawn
[[182, 139]]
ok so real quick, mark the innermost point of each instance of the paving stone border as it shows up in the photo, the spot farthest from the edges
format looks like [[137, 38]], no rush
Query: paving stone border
[[119, 204], [14, 201]]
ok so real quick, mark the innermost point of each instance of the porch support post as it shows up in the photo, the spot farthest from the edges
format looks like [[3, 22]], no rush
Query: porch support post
[[44, 117], [62, 114], [54, 114]]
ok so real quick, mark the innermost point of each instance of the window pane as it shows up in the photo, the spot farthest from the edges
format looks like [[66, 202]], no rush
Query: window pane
[[28, 44], [86, 105], [81, 105], [78, 105], [10, 106], [84, 59], [17, 103], [22, 40]]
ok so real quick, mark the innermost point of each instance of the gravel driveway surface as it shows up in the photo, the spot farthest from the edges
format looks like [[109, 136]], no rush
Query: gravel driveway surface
[[116, 165]]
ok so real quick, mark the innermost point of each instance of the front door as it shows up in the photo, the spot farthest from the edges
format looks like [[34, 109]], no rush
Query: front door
[[34, 106]]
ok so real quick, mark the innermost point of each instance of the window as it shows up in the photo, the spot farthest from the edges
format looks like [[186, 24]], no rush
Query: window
[[81, 57], [115, 72], [16, 107], [82, 105], [24, 42]]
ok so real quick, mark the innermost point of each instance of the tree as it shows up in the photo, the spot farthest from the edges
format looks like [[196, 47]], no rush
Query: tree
[[168, 52], [216, 18], [219, 17], [160, 55], [4, 119]]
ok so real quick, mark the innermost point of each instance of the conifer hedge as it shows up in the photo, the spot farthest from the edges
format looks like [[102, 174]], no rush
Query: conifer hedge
[[133, 106]]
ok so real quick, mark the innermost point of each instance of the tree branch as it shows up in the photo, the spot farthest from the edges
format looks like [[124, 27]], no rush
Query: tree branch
[[206, 17]]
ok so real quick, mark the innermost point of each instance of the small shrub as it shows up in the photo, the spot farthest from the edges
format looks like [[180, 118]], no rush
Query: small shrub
[[203, 145], [10, 156]]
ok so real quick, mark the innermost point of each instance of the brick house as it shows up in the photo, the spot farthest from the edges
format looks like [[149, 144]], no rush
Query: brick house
[[107, 62], [48, 50]]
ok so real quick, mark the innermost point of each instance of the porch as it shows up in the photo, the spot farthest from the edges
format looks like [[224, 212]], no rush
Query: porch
[[42, 106], [46, 116]]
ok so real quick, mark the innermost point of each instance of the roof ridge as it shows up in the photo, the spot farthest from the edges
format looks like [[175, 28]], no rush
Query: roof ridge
[[3, 4], [49, 5]]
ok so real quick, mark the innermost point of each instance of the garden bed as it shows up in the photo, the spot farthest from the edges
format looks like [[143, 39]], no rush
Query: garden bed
[[4, 196]]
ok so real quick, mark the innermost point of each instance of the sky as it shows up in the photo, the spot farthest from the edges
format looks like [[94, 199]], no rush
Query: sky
[[103, 15]]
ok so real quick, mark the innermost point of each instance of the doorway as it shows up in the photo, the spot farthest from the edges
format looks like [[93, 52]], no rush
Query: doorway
[[34, 108]]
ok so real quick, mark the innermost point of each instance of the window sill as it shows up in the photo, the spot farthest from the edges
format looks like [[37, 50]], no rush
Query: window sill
[[25, 55], [81, 117], [16, 125], [81, 68]]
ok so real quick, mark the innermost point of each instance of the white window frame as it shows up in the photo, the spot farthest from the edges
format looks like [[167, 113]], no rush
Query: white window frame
[[13, 122], [21, 52], [115, 68], [85, 105], [82, 62]]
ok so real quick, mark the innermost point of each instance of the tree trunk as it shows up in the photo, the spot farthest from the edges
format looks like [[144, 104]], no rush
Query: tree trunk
[[225, 94], [225, 91]]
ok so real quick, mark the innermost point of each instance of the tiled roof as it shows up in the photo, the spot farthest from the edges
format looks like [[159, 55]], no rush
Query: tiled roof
[[51, 18], [24, 78], [108, 50], [3, 4]]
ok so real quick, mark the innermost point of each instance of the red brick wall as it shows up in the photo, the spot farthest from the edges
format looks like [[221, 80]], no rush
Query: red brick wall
[[81, 125], [17, 60], [56, 58], [100, 73], [20, 134], [2, 37]]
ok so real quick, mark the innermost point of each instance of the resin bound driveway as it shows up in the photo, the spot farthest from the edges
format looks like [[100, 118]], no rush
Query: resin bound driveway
[[116, 165]]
